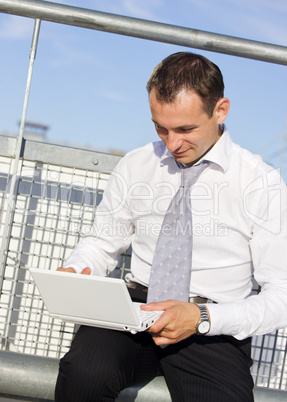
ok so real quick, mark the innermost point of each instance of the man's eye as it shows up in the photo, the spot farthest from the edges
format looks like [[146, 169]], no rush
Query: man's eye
[[186, 130], [160, 129]]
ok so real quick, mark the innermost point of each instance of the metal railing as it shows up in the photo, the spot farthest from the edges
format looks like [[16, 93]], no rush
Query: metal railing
[[144, 29], [46, 205]]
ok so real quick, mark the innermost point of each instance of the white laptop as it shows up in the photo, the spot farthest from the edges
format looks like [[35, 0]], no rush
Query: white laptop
[[91, 300]]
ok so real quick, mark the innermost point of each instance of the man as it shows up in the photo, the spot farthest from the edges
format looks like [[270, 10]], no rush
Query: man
[[238, 206]]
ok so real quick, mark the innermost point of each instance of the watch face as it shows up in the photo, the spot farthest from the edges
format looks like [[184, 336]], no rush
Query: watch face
[[204, 327]]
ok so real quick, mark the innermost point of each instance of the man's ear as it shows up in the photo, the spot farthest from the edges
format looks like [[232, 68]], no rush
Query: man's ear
[[222, 109]]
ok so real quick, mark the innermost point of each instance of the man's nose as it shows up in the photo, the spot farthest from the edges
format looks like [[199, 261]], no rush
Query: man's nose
[[173, 142]]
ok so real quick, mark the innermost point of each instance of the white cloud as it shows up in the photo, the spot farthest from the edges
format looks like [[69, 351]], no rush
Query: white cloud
[[115, 96], [259, 6], [14, 27], [263, 20], [267, 31], [147, 9], [141, 9]]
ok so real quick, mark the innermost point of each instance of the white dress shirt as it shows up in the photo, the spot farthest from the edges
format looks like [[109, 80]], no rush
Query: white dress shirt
[[239, 213]]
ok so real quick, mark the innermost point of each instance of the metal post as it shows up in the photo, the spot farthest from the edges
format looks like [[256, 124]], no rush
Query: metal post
[[9, 202]]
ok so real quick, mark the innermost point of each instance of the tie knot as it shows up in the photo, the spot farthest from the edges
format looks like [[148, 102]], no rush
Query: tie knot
[[189, 175]]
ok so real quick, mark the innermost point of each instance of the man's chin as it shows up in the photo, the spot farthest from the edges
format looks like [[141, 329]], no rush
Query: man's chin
[[186, 160]]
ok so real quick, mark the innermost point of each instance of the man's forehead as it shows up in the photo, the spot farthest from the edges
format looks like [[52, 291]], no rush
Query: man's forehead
[[178, 98]]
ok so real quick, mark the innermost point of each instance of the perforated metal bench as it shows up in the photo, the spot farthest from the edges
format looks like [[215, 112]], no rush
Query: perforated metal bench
[[35, 377]]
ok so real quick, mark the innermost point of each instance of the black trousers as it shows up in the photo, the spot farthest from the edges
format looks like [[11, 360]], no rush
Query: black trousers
[[102, 362]]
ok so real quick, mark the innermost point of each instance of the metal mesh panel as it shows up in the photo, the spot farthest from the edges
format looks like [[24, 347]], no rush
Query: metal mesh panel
[[269, 355], [54, 205], [6, 164]]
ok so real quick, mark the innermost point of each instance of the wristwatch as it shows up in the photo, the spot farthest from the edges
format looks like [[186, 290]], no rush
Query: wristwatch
[[203, 327]]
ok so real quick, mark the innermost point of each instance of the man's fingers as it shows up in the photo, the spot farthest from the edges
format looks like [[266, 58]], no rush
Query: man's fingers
[[162, 324], [160, 306], [161, 340], [85, 271], [70, 269]]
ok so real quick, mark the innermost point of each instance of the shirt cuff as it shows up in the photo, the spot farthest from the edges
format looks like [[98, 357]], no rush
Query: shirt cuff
[[225, 318]]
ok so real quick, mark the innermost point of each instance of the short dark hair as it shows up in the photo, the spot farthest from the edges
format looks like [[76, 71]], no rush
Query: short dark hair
[[187, 71]]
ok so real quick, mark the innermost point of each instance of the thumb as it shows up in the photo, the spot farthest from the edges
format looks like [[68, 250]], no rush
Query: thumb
[[86, 271]]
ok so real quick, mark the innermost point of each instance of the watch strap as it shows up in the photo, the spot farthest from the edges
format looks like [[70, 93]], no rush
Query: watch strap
[[203, 317]]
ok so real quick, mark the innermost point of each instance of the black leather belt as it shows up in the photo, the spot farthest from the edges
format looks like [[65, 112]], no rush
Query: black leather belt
[[138, 288], [200, 300], [137, 292], [135, 285]]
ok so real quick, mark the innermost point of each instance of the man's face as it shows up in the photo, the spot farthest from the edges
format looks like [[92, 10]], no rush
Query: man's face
[[184, 127]]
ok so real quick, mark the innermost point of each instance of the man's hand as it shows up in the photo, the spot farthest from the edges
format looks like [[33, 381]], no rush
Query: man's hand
[[85, 271], [178, 322]]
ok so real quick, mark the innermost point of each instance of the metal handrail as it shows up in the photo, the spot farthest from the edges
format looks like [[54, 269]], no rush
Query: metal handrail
[[35, 377], [145, 29]]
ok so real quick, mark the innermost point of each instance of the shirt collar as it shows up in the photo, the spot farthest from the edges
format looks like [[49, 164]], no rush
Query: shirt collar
[[220, 153]]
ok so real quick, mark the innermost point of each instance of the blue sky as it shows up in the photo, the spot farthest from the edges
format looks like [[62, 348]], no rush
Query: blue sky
[[89, 86]]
